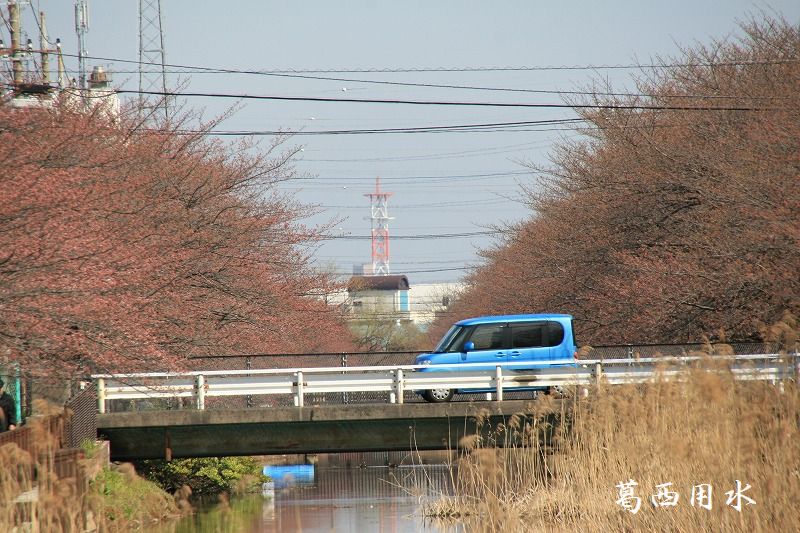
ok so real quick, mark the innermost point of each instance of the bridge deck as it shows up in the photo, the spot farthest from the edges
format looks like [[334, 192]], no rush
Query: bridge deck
[[280, 430]]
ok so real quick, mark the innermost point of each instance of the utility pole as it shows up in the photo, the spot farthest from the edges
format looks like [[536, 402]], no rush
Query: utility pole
[[43, 49], [16, 60], [33, 89]]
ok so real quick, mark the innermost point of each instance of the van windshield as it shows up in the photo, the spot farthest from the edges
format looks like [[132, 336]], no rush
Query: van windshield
[[453, 340]]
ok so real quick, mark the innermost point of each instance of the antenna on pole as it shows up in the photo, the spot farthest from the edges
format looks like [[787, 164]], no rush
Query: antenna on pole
[[379, 206], [81, 27], [152, 70]]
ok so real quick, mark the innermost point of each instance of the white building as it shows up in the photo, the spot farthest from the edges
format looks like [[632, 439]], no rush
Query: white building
[[428, 299], [394, 298]]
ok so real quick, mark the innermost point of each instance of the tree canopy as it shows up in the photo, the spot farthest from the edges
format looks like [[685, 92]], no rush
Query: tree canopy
[[677, 213], [124, 247]]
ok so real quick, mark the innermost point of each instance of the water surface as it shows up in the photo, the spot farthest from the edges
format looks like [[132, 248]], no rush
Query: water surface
[[372, 499]]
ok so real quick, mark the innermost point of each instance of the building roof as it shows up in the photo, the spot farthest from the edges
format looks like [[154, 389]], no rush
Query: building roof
[[397, 282]]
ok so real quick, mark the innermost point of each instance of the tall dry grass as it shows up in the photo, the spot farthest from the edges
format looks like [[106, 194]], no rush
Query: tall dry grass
[[34, 499], [565, 459]]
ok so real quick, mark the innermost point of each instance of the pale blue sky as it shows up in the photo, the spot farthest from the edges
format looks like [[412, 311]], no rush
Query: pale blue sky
[[425, 171]]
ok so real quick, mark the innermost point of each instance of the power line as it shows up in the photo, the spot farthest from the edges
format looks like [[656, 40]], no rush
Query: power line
[[304, 74], [396, 263], [446, 155], [383, 70], [417, 237], [418, 271], [418, 177], [496, 127], [484, 128], [202, 70], [424, 206], [423, 258], [525, 91], [387, 101], [490, 126]]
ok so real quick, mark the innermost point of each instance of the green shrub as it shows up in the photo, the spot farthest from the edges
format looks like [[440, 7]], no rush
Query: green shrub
[[208, 475], [126, 498]]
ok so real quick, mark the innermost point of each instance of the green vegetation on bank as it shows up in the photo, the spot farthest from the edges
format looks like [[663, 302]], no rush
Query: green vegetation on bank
[[127, 501], [106, 497], [206, 475]]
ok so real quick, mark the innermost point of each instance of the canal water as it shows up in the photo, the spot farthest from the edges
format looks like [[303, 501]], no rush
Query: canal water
[[370, 499]]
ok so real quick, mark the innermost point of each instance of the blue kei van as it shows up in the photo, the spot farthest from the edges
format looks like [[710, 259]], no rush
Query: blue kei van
[[522, 341]]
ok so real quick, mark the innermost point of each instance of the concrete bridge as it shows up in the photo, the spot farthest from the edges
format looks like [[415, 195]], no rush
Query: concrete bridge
[[284, 430], [394, 425]]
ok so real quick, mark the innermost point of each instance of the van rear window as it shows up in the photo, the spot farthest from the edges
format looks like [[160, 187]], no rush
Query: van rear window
[[555, 333], [527, 335], [536, 334]]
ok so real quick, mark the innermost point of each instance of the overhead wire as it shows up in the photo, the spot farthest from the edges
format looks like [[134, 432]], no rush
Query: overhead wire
[[448, 103], [480, 152], [381, 70], [430, 236], [416, 271], [480, 128], [489, 126], [306, 74], [419, 177], [424, 205]]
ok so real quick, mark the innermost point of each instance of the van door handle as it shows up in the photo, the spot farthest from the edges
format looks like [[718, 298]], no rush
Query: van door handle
[[500, 354], [515, 353]]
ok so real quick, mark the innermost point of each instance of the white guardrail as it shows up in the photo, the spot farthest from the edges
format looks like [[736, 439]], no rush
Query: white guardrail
[[397, 379]]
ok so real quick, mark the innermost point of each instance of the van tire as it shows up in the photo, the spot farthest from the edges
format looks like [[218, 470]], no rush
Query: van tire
[[438, 395]]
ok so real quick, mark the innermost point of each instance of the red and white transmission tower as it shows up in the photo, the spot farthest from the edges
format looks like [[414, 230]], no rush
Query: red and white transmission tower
[[379, 205]]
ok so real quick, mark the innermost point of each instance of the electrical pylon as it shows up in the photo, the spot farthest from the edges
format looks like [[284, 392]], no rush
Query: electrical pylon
[[152, 59], [379, 206]]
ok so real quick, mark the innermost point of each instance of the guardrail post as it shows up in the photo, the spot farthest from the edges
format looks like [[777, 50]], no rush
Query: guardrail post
[[101, 395], [299, 400], [498, 377], [345, 399], [797, 367], [598, 373], [400, 385], [200, 392], [248, 365]]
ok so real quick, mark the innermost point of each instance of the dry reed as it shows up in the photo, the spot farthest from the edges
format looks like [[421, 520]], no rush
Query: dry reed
[[563, 462], [34, 499]]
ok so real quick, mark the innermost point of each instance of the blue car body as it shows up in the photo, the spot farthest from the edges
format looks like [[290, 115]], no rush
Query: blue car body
[[522, 342]]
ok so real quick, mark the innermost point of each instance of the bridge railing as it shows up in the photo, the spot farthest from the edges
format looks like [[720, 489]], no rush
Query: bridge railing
[[356, 359], [398, 382]]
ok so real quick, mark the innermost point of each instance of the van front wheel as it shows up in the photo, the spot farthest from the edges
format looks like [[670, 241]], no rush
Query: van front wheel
[[438, 395]]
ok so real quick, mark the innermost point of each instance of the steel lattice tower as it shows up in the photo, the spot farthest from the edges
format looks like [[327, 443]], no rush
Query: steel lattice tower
[[379, 205], [152, 71]]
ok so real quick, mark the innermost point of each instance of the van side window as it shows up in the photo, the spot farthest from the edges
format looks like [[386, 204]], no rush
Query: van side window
[[488, 336], [527, 335]]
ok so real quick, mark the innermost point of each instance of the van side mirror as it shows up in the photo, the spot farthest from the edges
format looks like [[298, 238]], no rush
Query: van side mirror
[[469, 346]]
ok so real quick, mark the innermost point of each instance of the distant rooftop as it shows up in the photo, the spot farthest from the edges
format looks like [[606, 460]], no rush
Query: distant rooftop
[[397, 282]]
